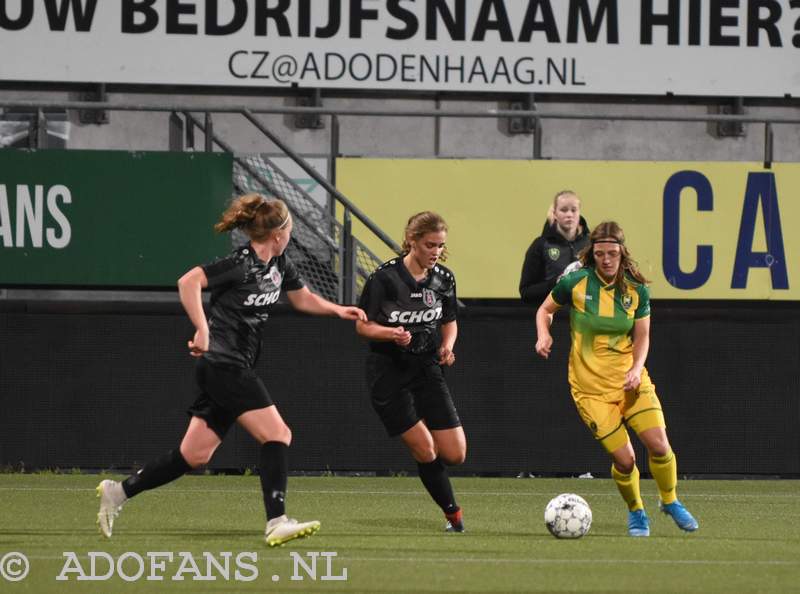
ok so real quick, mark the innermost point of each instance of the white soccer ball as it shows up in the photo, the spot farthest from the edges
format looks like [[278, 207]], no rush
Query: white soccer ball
[[568, 516]]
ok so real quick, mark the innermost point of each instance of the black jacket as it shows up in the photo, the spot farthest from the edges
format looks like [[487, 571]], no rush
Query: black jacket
[[546, 259]]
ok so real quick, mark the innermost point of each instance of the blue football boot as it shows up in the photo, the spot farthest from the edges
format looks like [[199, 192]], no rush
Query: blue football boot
[[638, 523], [681, 515]]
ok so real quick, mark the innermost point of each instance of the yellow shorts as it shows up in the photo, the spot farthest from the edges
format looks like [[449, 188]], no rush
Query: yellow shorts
[[606, 415]]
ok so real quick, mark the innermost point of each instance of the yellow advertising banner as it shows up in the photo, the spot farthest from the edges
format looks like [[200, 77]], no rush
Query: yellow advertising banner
[[698, 230]]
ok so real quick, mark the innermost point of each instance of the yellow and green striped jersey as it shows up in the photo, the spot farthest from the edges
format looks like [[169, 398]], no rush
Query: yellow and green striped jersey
[[601, 320]]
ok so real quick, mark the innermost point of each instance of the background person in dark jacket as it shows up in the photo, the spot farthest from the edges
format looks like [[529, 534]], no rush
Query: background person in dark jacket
[[564, 236]]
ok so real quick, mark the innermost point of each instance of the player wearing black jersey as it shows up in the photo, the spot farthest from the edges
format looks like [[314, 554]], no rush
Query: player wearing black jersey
[[410, 303], [244, 285]]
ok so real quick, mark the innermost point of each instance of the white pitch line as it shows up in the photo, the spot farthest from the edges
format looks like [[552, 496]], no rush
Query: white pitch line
[[570, 561], [684, 495], [512, 561]]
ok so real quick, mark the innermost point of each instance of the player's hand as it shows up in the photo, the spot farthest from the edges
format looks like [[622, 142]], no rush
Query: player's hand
[[543, 346], [401, 336], [446, 356], [350, 312], [199, 344], [632, 379]]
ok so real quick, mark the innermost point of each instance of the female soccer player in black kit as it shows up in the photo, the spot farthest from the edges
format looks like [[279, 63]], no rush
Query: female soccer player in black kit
[[410, 302], [244, 286]]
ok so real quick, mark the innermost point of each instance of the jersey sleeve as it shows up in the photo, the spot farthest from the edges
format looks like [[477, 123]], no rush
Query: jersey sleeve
[[292, 281], [371, 297], [562, 292], [450, 304], [224, 271], [643, 309]]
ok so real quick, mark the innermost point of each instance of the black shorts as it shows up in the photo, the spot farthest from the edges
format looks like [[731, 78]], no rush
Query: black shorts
[[407, 390], [225, 392]]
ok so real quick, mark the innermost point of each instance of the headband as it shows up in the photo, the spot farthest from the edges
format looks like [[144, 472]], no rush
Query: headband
[[611, 240], [284, 222]]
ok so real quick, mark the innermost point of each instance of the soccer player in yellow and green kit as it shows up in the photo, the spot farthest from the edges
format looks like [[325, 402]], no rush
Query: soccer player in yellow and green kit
[[610, 327]]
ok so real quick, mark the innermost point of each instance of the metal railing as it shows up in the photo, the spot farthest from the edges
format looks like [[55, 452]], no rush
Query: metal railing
[[325, 247], [534, 114], [334, 262]]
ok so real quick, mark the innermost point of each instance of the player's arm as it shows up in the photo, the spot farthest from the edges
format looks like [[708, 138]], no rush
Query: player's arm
[[544, 319], [449, 335], [372, 330], [190, 288], [641, 346], [372, 295], [304, 300]]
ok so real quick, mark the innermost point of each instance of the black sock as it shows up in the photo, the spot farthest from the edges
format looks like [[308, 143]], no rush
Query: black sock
[[434, 476], [274, 472], [162, 470]]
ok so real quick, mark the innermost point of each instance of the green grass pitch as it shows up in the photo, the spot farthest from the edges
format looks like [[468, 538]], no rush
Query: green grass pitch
[[389, 537]]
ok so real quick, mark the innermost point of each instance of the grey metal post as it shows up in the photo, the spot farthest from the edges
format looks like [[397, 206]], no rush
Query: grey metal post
[[190, 144], [33, 131], [348, 260], [437, 130], [209, 146], [537, 138], [176, 132], [41, 129], [769, 143], [334, 154]]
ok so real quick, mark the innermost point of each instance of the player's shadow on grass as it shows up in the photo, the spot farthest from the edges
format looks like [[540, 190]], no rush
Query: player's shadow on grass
[[418, 527], [45, 532], [398, 524], [120, 534], [200, 533]]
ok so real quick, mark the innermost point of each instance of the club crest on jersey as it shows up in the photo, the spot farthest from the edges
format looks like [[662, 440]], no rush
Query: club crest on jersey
[[428, 297], [627, 301], [275, 275], [554, 253]]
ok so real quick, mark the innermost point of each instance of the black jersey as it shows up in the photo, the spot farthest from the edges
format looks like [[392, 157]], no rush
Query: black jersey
[[391, 297], [243, 288]]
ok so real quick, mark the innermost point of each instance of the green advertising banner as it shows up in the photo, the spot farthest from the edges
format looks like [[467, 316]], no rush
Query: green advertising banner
[[108, 218]]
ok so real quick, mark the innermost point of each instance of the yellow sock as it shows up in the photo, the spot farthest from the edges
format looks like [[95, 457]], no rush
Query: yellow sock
[[628, 485], [665, 471]]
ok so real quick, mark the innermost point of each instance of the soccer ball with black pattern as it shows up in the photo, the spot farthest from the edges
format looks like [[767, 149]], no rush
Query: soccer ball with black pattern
[[568, 516]]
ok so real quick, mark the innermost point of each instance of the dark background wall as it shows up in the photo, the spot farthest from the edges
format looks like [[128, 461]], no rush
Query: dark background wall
[[106, 387]]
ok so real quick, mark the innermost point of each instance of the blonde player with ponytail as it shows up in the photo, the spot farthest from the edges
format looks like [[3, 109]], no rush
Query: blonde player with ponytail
[[244, 285]]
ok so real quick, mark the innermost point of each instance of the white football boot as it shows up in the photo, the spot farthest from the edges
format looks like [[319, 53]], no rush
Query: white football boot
[[281, 530], [112, 498]]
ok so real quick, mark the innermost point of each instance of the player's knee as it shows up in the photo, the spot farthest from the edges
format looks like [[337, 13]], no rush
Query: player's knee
[[455, 457], [624, 463], [280, 434], [198, 458], [660, 449], [624, 468], [424, 453], [658, 445]]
